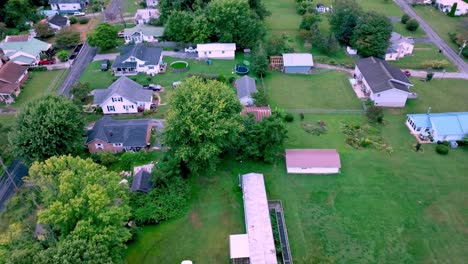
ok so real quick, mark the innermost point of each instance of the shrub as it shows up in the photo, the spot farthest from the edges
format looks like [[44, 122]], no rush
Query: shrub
[[37, 68], [232, 79], [83, 20], [106, 158], [375, 114], [304, 7], [62, 55], [221, 78], [73, 20], [405, 18], [289, 117], [442, 149], [412, 25], [429, 76]]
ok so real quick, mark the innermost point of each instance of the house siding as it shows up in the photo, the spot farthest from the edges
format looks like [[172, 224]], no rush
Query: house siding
[[106, 147], [317, 170], [297, 69], [217, 54], [66, 8], [119, 106], [390, 98]]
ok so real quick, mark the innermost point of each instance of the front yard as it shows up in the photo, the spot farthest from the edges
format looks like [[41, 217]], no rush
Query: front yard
[[423, 52]]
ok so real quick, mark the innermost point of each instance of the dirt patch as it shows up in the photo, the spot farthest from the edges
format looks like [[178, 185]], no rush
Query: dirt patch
[[395, 111], [195, 220], [85, 29]]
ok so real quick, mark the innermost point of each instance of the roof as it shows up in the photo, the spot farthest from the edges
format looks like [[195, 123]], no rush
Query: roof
[[308, 158], [452, 123], [48, 13], [259, 112], [460, 4], [257, 220], [31, 46], [66, 1], [382, 76], [245, 86], [141, 181], [396, 40], [19, 38], [129, 132], [216, 46], [298, 59], [151, 55], [145, 30], [147, 13], [239, 246], [126, 88], [59, 20], [9, 75]]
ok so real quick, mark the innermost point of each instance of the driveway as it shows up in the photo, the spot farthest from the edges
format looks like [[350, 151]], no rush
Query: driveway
[[180, 54], [112, 12], [440, 75], [431, 34], [110, 56]]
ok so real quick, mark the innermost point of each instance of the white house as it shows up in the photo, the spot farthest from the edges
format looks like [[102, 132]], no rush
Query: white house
[[383, 83], [217, 51], [313, 161], [24, 49], [439, 126], [138, 58], [151, 3], [143, 16], [446, 6], [57, 22], [67, 6], [142, 33], [124, 96], [399, 47]]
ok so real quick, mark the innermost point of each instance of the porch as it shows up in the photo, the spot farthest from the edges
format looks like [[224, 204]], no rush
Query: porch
[[359, 89], [125, 71], [422, 137]]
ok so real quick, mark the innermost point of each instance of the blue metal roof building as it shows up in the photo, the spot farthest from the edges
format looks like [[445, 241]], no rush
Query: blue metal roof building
[[441, 126]]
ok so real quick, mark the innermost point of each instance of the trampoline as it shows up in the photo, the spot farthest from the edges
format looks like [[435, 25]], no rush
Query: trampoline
[[179, 66], [241, 69]]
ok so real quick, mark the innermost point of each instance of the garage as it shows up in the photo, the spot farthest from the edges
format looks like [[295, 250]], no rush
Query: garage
[[313, 161]]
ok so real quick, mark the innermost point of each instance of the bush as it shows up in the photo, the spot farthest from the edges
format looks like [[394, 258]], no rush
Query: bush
[[412, 25], [304, 7], [429, 76], [405, 18], [204, 76], [37, 68], [221, 78], [442, 149], [62, 55], [106, 158], [83, 20], [289, 117], [375, 114], [232, 79], [73, 20]]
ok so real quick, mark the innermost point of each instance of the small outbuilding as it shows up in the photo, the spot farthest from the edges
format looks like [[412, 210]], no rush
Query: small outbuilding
[[246, 87], [297, 63], [313, 161], [217, 51], [259, 112], [239, 248]]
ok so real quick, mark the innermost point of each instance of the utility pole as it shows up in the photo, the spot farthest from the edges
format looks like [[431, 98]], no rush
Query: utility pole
[[8, 174], [462, 47]]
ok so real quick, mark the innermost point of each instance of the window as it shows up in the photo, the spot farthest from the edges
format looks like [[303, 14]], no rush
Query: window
[[418, 129], [209, 52], [99, 146], [151, 67], [117, 144], [205, 52], [378, 95], [126, 107], [110, 108], [117, 99], [222, 52]]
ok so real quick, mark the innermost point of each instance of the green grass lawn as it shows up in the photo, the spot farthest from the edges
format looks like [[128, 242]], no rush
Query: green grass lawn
[[326, 90], [422, 52], [400, 28], [130, 7]]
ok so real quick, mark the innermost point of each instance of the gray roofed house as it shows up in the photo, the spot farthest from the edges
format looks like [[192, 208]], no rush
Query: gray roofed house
[[58, 21], [141, 181], [399, 47], [112, 135], [142, 33], [245, 88], [385, 84], [138, 58]]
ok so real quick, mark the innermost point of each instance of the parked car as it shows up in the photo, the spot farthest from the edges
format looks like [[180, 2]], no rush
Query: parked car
[[47, 61], [154, 87], [190, 50], [120, 34], [78, 14], [105, 65], [407, 73]]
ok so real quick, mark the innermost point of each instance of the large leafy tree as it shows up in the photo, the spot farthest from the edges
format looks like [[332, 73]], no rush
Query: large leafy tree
[[47, 127], [260, 62], [179, 26], [372, 34], [202, 122], [43, 30], [344, 19], [103, 37], [17, 12], [259, 8], [66, 37]]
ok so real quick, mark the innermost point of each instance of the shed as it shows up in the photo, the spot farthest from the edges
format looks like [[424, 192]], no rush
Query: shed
[[297, 62], [239, 248], [246, 87], [313, 161]]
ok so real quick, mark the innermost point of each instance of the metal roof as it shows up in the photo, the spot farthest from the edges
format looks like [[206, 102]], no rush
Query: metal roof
[[216, 46], [298, 59], [239, 246], [313, 158], [32, 46], [145, 30], [245, 86], [452, 123]]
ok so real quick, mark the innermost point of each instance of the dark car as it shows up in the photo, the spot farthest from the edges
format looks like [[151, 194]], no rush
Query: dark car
[[154, 87], [105, 65], [47, 61], [407, 73]]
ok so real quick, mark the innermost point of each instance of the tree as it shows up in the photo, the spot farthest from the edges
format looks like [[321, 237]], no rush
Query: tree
[[47, 127], [429, 76], [260, 61], [375, 114], [344, 19], [405, 18], [305, 6], [66, 37], [412, 25], [453, 10], [179, 27], [318, 39], [43, 30], [260, 98], [81, 203], [17, 13], [62, 55], [3, 30], [276, 45], [259, 8], [202, 122], [80, 92], [103, 37], [372, 34], [308, 20], [331, 45]]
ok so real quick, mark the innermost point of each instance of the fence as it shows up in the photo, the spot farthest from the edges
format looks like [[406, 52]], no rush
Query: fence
[[325, 111]]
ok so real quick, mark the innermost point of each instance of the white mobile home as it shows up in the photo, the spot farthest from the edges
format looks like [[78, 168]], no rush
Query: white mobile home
[[217, 51]]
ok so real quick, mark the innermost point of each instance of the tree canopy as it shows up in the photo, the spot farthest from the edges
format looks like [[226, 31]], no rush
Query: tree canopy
[[372, 34], [344, 19], [103, 37], [66, 37], [260, 61], [47, 127], [17, 12], [202, 122]]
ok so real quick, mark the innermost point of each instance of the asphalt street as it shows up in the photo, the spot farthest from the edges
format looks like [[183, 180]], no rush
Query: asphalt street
[[17, 171], [448, 51]]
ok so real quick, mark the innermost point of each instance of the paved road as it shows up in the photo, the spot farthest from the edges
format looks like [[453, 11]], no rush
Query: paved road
[[448, 51], [17, 171], [440, 75], [77, 68]]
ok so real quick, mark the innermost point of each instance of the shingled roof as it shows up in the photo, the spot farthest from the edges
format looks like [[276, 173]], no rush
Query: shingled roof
[[58, 20], [9, 75], [141, 181], [245, 86], [126, 88], [382, 76], [151, 55]]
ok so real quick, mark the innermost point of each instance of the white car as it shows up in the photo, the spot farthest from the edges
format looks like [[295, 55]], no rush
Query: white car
[[77, 14], [190, 50]]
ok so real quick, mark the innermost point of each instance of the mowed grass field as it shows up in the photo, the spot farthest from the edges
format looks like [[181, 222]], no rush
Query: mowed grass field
[[423, 52]]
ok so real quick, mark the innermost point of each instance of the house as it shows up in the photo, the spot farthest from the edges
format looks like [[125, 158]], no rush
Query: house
[[151, 3], [257, 246], [321, 8], [297, 63], [24, 49], [246, 87], [259, 112], [351, 51], [67, 6], [124, 96], [399, 47], [142, 178], [58, 21], [12, 76], [116, 136], [217, 51], [383, 83], [439, 126], [138, 58], [142, 33], [422, 2], [446, 5], [48, 13], [313, 161], [143, 16]]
